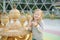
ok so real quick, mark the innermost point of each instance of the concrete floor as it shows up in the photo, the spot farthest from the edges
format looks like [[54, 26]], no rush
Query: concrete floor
[[51, 29]]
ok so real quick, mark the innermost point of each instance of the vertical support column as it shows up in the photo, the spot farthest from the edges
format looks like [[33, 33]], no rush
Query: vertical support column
[[4, 6]]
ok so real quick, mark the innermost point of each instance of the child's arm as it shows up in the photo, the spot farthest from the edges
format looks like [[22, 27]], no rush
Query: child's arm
[[41, 27], [29, 27]]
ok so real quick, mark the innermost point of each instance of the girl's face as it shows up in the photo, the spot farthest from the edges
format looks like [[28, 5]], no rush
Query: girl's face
[[37, 15]]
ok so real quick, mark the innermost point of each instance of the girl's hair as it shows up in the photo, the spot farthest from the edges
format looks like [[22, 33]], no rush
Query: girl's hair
[[40, 11]]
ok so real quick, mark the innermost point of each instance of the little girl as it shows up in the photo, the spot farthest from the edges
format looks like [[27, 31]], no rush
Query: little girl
[[37, 25]]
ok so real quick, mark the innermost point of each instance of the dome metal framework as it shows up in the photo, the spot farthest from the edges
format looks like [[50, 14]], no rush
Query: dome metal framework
[[28, 5]]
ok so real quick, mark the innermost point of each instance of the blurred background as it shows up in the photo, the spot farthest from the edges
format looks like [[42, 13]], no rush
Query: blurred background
[[51, 9]]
